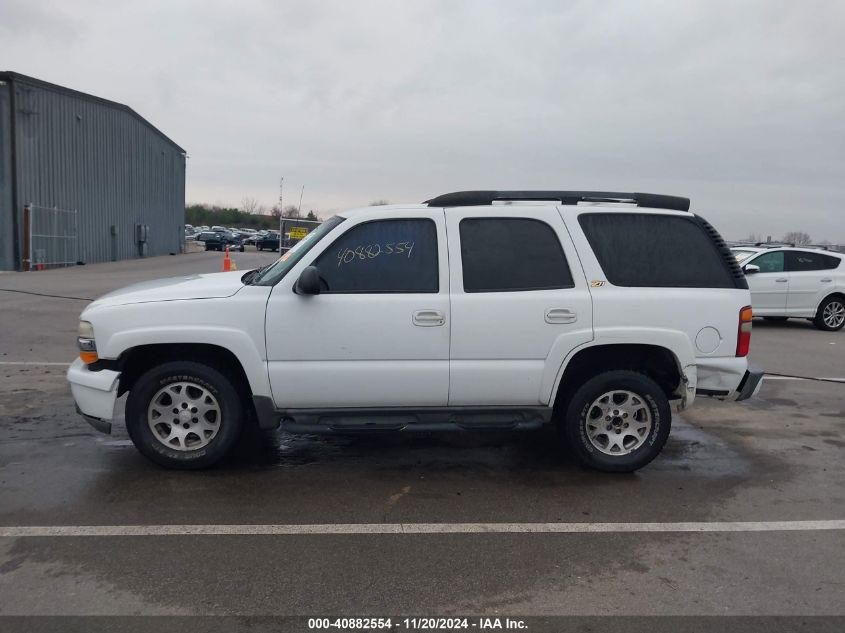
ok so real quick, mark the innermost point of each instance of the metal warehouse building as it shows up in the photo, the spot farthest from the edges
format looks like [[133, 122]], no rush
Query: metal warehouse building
[[83, 179]]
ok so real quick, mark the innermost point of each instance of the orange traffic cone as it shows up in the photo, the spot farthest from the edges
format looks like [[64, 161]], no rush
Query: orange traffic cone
[[227, 261]]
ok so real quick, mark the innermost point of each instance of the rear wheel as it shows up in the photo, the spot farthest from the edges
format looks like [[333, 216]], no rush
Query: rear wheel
[[831, 314], [617, 421], [184, 415]]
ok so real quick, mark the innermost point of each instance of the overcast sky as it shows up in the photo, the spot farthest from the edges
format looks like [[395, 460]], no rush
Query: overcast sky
[[738, 105]]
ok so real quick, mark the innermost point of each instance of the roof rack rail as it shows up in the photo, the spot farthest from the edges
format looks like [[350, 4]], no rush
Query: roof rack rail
[[477, 198], [823, 247], [774, 244]]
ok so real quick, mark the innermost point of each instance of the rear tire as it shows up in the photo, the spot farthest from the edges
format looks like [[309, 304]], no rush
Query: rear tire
[[831, 314], [778, 319], [184, 415], [617, 421]]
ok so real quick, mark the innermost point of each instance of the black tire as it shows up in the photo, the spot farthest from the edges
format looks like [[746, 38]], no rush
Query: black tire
[[580, 406], [241, 249], [777, 319], [835, 303], [216, 383]]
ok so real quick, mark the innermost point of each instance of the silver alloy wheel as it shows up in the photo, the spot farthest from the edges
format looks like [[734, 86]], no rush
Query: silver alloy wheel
[[834, 314], [184, 416], [618, 422]]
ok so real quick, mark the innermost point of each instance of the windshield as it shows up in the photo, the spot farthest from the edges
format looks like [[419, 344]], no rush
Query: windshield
[[273, 273], [742, 255]]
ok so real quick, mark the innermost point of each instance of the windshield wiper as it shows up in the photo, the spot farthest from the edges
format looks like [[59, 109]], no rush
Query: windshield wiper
[[251, 275]]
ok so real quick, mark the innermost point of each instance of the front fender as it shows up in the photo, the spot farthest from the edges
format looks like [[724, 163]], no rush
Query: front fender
[[236, 341]]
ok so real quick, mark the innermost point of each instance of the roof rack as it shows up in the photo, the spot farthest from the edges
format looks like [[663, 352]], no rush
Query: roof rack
[[477, 198], [774, 244]]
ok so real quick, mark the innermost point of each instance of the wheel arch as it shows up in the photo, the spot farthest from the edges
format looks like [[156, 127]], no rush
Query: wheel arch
[[135, 361], [659, 363], [836, 293]]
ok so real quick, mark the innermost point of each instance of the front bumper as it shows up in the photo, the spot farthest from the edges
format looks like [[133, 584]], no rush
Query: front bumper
[[95, 394]]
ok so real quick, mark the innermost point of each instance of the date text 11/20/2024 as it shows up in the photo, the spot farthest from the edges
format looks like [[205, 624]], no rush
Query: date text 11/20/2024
[[416, 624]]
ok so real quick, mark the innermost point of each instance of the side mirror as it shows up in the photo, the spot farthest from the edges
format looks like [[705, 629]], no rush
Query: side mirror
[[750, 269], [308, 282]]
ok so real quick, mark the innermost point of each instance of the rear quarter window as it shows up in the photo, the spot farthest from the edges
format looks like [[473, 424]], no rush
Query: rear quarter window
[[655, 250]]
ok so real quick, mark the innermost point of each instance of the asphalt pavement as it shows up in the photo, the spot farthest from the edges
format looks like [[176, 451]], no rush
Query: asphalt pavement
[[736, 473]]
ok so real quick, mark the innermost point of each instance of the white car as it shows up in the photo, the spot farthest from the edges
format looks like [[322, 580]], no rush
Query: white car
[[788, 282], [476, 310]]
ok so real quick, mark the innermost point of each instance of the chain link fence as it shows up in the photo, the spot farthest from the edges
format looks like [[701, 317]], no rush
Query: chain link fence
[[292, 230], [50, 237]]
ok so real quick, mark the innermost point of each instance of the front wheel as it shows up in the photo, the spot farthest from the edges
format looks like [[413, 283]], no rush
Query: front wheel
[[831, 314], [617, 421], [184, 415]]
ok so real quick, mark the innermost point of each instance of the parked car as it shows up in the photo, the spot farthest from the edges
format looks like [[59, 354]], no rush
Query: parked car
[[459, 313], [270, 241], [250, 239], [219, 240], [786, 281]]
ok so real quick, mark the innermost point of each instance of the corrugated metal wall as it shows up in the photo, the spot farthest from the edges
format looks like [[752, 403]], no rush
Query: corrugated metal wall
[[7, 243], [101, 160]]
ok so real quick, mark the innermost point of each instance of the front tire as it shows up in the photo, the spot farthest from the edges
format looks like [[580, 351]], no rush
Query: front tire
[[184, 415], [831, 314], [617, 421]]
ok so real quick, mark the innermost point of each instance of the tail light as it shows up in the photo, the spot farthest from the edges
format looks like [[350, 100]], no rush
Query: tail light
[[743, 336]]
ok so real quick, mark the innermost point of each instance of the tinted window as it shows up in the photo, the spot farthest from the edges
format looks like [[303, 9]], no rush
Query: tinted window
[[802, 260], [505, 254], [638, 249], [382, 256], [769, 262]]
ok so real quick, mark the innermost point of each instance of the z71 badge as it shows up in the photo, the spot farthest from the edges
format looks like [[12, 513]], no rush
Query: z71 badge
[[596, 283]]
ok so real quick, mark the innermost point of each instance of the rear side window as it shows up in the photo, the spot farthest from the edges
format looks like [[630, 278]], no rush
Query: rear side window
[[651, 250], [382, 256], [509, 254], [797, 261]]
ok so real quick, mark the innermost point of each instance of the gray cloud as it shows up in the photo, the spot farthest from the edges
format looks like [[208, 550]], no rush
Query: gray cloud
[[739, 107]]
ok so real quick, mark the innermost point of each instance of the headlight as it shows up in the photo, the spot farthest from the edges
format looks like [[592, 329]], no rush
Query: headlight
[[85, 330], [86, 342]]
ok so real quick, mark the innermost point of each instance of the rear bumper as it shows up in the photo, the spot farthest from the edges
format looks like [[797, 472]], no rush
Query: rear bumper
[[95, 393], [751, 383], [728, 378]]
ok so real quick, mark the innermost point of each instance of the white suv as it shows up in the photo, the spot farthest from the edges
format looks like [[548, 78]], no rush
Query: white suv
[[475, 310], [795, 282]]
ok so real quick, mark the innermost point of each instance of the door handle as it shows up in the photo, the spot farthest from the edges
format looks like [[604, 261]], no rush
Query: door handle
[[826, 280], [561, 315], [781, 280], [429, 318]]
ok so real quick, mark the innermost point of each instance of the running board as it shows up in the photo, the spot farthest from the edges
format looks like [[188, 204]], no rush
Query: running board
[[407, 419]]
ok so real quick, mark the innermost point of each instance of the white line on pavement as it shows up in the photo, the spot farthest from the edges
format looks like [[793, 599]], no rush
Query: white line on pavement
[[27, 362], [416, 528], [770, 377]]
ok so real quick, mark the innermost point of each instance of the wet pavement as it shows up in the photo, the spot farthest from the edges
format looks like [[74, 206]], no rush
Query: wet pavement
[[777, 457]]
